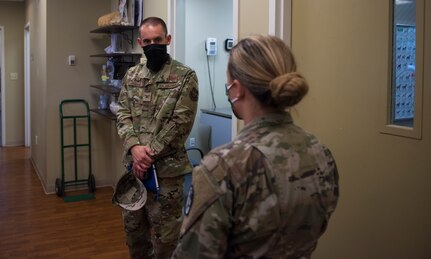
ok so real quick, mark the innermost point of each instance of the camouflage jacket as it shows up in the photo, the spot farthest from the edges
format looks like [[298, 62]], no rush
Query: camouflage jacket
[[158, 110], [269, 193]]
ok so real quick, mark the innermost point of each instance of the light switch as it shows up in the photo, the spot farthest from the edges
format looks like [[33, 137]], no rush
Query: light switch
[[13, 76], [72, 60]]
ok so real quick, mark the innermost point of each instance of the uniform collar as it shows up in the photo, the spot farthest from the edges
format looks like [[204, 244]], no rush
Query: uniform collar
[[269, 119], [160, 76]]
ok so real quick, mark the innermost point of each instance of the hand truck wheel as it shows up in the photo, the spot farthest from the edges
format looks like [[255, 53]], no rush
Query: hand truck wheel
[[59, 188], [91, 183]]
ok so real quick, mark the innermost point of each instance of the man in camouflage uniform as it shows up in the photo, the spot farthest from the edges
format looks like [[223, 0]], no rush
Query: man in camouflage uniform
[[158, 102], [267, 194]]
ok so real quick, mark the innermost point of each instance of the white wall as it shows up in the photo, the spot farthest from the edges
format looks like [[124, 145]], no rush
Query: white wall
[[195, 20], [52, 80], [200, 16]]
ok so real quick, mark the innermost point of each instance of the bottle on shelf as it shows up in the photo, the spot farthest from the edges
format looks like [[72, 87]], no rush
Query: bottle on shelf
[[104, 75]]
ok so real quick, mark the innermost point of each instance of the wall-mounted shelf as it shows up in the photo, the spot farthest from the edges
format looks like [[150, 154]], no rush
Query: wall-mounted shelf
[[114, 29], [120, 62], [118, 29], [105, 113], [107, 88], [115, 55]]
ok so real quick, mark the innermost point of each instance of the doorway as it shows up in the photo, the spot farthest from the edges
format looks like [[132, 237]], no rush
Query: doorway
[[2, 130], [27, 120]]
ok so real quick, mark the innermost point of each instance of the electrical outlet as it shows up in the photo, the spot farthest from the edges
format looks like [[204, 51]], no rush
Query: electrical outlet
[[35, 140], [192, 142]]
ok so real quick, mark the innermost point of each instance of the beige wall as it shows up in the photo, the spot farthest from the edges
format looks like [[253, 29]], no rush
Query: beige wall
[[12, 19], [384, 210], [55, 35], [152, 8], [252, 17], [157, 8], [72, 82], [36, 18]]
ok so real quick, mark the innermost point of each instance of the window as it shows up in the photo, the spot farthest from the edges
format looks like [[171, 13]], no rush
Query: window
[[405, 95], [403, 74]]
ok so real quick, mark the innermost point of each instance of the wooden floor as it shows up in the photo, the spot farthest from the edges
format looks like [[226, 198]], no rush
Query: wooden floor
[[36, 225]]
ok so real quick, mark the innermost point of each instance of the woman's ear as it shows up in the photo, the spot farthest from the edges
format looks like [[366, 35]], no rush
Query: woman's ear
[[240, 89]]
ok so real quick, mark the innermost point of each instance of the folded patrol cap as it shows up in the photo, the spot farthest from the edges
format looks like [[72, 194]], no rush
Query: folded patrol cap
[[130, 193]]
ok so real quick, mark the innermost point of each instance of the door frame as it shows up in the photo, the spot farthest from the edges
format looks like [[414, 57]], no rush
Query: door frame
[[279, 24], [27, 110], [235, 29], [280, 19], [3, 121], [172, 17], [172, 10]]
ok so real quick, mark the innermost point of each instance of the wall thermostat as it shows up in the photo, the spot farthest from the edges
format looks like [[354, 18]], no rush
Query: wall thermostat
[[228, 44], [211, 46]]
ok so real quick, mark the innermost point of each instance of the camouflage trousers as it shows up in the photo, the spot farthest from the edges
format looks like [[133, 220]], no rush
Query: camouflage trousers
[[153, 231]]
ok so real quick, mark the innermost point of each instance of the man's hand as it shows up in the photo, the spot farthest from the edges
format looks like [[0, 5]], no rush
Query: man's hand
[[142, 160]]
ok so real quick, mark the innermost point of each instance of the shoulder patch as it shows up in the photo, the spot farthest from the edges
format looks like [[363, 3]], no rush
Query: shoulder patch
[[202, 194], [194, 94], [210, 161]]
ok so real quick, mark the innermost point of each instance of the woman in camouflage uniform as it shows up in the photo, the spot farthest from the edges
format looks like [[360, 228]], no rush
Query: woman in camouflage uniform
[[270, 192]]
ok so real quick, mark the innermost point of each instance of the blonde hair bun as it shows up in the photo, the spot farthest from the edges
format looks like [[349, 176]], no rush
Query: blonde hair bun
[[288, 89]]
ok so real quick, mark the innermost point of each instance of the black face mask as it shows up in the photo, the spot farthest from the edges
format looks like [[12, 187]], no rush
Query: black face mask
[[156, 56]]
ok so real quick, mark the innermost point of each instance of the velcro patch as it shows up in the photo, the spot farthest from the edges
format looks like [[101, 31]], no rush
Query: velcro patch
[[203, 193]]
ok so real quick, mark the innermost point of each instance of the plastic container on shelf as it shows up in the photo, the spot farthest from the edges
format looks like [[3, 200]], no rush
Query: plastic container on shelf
[[113, 106], [103, 102]]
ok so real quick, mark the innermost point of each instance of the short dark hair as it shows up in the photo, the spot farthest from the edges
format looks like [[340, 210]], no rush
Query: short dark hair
[[155, 21]]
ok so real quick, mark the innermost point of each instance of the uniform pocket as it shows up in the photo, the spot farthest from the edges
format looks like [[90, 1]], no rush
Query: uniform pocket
[[136, 105], [166, 98], [168, 85]]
